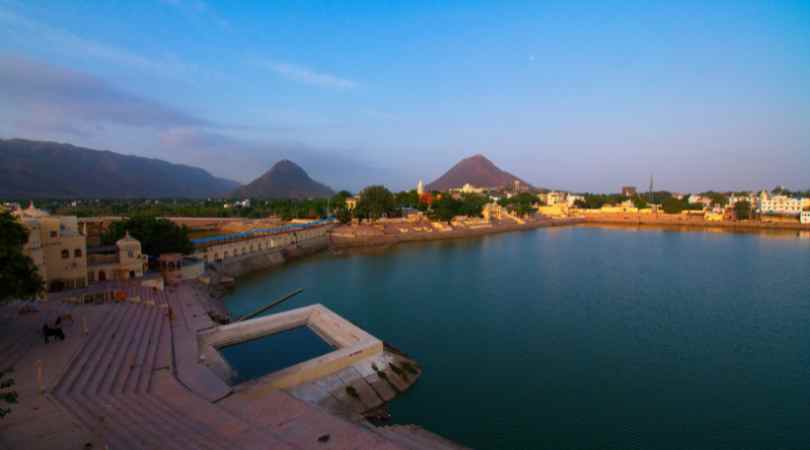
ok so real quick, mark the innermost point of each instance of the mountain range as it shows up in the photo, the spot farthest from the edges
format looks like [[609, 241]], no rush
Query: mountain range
[[284, 180], [37, 169], [476, 170]]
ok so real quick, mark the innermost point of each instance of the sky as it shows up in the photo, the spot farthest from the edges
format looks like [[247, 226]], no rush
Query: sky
[[582, 96]]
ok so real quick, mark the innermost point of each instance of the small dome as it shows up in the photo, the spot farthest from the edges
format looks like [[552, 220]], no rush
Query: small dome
[[127, 239]]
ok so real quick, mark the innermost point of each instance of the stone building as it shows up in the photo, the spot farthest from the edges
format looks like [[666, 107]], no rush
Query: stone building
[[57, 248], [122, 261]]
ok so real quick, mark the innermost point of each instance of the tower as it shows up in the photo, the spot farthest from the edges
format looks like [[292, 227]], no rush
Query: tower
[[420, 188]]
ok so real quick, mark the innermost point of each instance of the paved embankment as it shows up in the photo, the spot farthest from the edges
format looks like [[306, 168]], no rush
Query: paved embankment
[[270, 258], [345, 237], [686, 221]]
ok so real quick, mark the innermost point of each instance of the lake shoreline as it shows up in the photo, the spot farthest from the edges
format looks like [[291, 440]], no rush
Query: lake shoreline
[[342, 241], [678, 221]]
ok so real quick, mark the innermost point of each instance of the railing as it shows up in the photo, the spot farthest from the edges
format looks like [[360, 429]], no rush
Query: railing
[[260, 232]]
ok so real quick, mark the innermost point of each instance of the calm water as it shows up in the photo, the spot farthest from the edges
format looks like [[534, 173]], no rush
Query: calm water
[[584, 338], [267, 354]]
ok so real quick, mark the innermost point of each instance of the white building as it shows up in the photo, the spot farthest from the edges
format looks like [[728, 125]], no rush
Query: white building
[[469, 189], [733, 199], [700, 199], [553, 198], [420, 188], [572, 198], [780, 204]]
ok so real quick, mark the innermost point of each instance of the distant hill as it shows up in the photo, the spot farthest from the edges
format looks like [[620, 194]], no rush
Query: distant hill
[[284, 180], [36, 169], [476, 170]]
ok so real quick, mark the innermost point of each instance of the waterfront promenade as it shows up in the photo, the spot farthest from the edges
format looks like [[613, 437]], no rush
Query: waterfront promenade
[[133, 381]]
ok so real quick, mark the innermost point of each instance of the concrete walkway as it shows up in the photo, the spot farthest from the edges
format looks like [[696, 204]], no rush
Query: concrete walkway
[[115, 387]]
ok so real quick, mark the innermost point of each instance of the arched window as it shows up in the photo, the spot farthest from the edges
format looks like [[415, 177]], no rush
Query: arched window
[[77, 253], [65, 254]]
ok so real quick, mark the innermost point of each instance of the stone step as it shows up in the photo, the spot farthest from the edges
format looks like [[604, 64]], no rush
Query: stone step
[[130, 382], [93, 419], [103, 369], [182, 420], [93, 341], [136, 412], [122, 359], [157, 341], [122, 423], [417, 438]]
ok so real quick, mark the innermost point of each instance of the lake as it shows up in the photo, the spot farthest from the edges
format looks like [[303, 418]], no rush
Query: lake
[[583, 337]]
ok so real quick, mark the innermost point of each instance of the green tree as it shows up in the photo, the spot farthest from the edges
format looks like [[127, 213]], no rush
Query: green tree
[[742, 210], [639, 202], [343, 214], [375, 202], [672, 205], [157, 235], [521, 204], [445, 208], [19, 278], [6, 395], [407, 199]]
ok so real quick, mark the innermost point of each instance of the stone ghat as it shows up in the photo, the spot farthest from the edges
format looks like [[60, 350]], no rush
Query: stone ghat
[[128, 376], [371, 236], [686, 221], [362, 390]]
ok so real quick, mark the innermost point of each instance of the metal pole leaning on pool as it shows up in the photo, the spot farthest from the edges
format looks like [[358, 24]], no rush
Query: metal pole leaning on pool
[[275, 303]]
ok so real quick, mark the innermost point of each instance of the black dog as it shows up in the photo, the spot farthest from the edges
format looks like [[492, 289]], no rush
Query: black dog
[[49, 332]]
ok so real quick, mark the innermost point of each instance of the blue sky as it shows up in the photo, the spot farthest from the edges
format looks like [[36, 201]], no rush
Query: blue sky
[[584, 96]]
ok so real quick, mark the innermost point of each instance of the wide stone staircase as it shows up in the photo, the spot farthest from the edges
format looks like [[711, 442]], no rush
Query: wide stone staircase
[[414, 437], [107, 385]]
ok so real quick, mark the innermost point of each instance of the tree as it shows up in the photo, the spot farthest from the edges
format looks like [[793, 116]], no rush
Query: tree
[[672, 205], [19, 278], [157, 235], [742, 210], [375, 202], [6, 395], [521, 204], [445, 208], [639, 202], [343, 214]]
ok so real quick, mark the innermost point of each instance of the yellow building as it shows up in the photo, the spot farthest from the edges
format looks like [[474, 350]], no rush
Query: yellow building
[[59, 251], [556, 210], [351, 202], [712, 216], [56, 247]]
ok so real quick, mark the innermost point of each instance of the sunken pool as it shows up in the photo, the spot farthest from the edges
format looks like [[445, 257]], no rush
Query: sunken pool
[[261, 356]]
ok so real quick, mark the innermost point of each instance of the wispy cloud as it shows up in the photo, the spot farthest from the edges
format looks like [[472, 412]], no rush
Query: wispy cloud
[[49, 98], [306, 75], [199, 8], [21, 28]]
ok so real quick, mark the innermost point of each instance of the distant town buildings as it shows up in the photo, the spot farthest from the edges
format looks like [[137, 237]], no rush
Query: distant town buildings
[[469, 189], [805, 217], [779, 204], [697, 199], [629, 191], [60, 252]]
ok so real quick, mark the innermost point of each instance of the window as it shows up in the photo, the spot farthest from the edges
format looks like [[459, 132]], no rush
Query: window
[[77, 253], [129, 253], [53, 234], [65, 254]]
